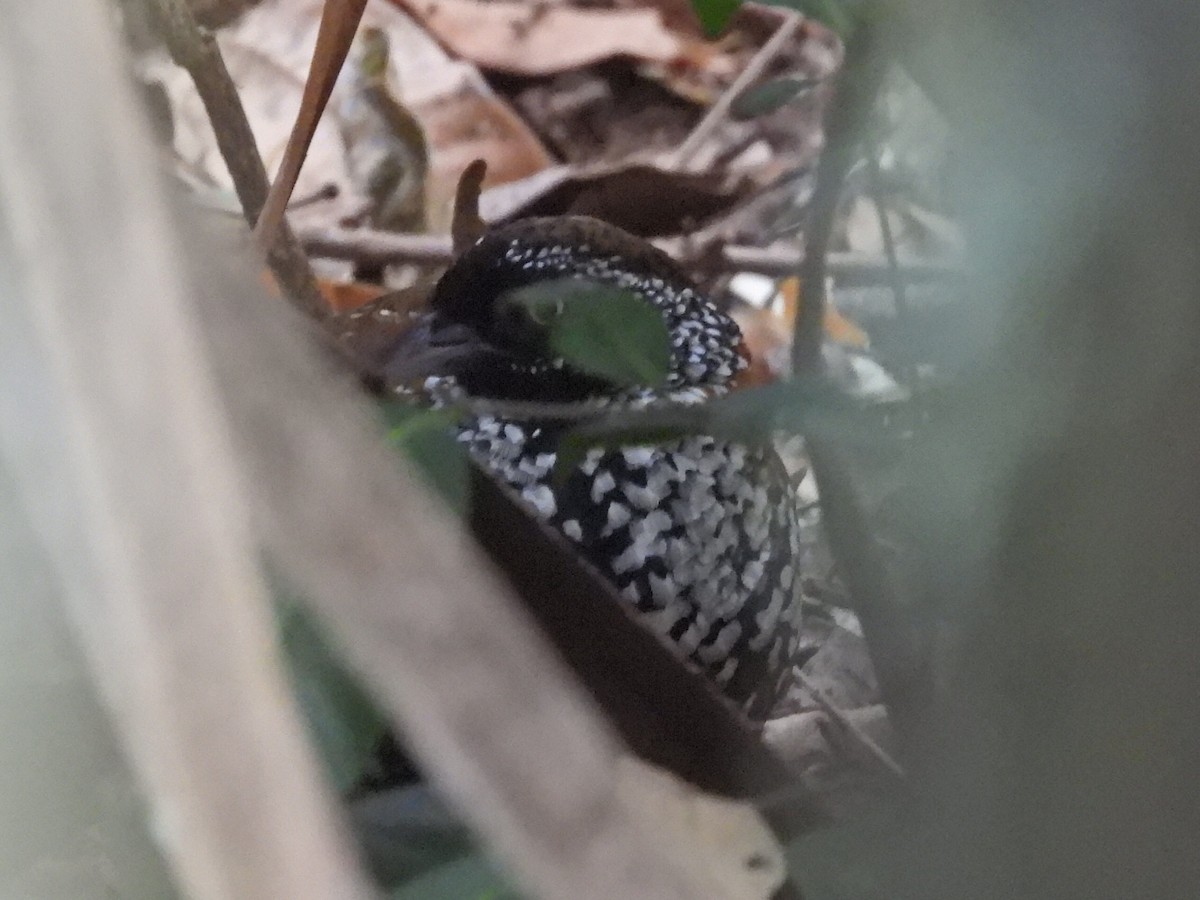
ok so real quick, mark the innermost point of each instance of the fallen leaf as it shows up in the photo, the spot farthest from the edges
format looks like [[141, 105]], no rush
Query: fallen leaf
[[540, 39], [268, 50], [345, 296], [473, 123], [644, 199]]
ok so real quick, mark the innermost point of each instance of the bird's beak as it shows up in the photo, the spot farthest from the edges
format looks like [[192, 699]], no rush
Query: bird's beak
[[433, 345]]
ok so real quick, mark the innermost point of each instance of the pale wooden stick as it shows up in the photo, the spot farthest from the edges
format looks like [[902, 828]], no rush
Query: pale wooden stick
[[131, 473]]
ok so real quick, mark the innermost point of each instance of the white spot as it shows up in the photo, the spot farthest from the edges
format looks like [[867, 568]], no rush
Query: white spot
[[651, 526], [767, 620], [661, 621], [618, 515], [601, 485], [690, 639], [725, 675], [632, 559], [572, 530], [662, 590], [592, 462], [752, 573], [728, 636], [642, 498], [638, 457], [542, 499]]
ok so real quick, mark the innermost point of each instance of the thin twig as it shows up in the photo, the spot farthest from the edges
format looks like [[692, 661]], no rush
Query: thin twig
[[365, 245], [339, 20], [683, 155], [862, 74], [899, 290], [196, 51], [864, 740]]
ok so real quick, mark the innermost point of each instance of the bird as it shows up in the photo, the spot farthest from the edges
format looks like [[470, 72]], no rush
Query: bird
[[699, 535]]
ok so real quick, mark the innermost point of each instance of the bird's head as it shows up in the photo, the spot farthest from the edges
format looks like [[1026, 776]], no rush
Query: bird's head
[[495, 349]]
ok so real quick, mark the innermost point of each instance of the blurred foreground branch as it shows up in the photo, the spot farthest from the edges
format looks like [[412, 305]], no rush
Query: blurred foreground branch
[[178, 414], [127, 465]]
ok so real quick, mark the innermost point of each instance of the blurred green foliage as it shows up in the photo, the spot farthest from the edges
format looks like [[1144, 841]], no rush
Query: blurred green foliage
[[770, 96], [714, 15], [600, 329], [345, 724]]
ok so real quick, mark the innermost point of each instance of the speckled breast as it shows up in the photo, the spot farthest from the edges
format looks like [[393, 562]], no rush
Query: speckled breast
[[699, 536]]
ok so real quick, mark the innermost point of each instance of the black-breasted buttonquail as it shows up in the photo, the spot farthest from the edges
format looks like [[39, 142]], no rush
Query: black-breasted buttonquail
[[699, 535]]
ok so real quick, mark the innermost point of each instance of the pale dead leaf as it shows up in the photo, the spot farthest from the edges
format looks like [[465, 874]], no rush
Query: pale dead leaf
[[540, 39], [643, 198], [268, 51]]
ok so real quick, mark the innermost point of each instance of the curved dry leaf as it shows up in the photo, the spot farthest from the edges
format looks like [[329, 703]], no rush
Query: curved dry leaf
[[645, 199]]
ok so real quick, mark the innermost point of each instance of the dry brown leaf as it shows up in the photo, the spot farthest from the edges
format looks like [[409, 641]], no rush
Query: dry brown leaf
[[642, 198], [468, 125], [540, 39], [268, 51]]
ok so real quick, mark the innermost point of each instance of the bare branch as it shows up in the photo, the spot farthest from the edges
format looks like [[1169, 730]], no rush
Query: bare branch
[[851, 269], [195, 50], [862, 72]]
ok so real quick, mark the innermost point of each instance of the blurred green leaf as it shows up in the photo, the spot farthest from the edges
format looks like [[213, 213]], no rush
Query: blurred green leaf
[[469, 878], [770, 96], [407, 830], [747, 416], [345, 723], [714, 15], [600, 329], [426, 438]]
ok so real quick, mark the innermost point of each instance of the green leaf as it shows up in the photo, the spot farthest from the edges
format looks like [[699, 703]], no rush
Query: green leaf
[[426, 438], [406, 831], [770, 96], [344, 721], [600, 329], [747, 416], [714, 15], [469, 878]]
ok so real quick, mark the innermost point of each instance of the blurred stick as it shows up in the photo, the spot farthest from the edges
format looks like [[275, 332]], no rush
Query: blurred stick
[[686, 151], [899, 289], [127, 464], [196, 51], [865, 742], [481, 701], [339, 21], [851, 269], [857, 87], [163, 565]]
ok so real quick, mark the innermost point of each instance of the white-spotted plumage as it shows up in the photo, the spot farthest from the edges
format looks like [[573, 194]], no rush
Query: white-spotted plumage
[[706, 554], [699, 535]]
